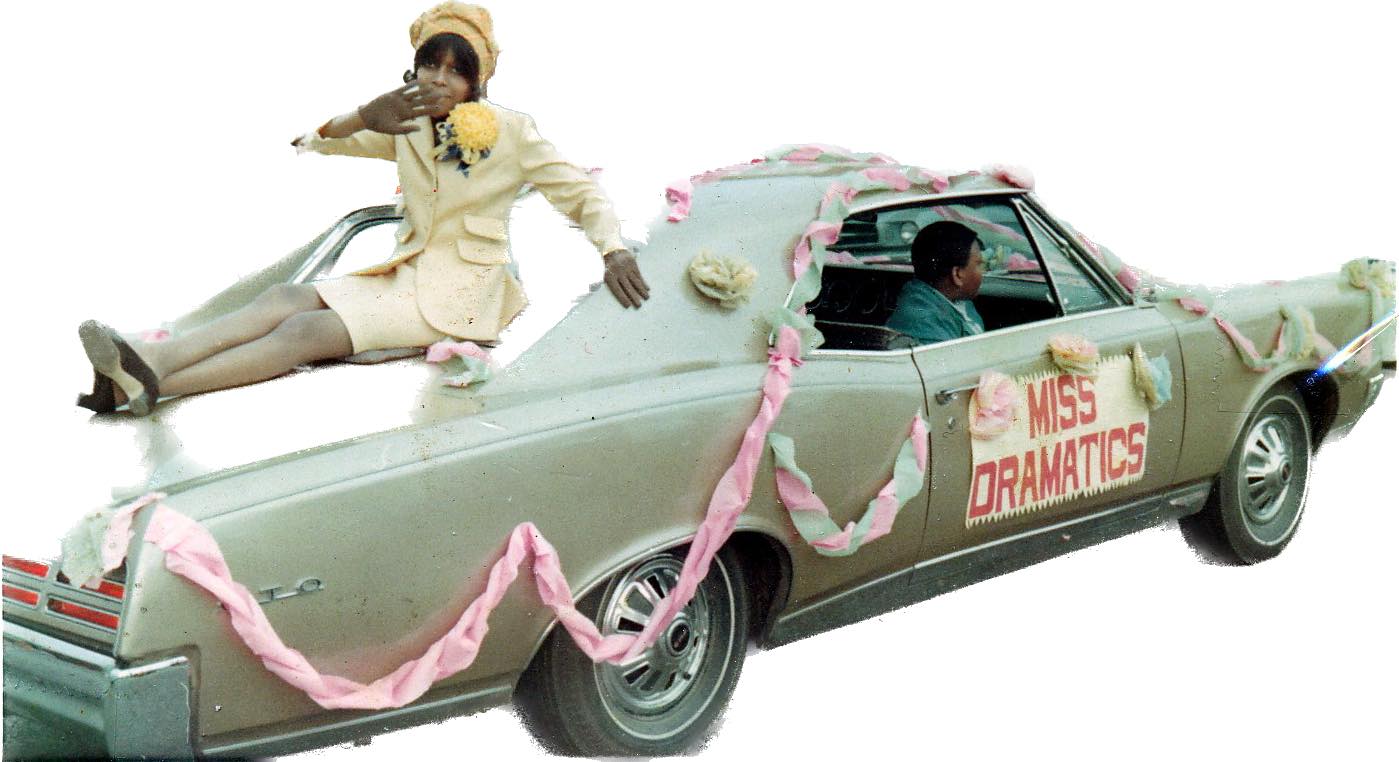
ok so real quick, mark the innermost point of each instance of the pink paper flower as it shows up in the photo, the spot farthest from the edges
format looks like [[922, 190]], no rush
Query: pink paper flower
[[677, 194], [992, 406], [1074, 354], [1009, 174]]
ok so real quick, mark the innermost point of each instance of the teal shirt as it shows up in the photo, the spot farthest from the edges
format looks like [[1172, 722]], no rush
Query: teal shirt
[[927, 316]]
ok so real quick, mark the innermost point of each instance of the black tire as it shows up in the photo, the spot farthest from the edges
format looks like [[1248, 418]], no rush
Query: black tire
[[666, 702], [1257, 501]]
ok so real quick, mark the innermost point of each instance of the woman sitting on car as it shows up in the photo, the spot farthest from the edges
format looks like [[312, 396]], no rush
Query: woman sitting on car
[[461, 162]]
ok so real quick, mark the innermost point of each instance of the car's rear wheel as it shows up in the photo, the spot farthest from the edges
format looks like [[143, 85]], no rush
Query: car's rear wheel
[[665, 701], [1258, 498]]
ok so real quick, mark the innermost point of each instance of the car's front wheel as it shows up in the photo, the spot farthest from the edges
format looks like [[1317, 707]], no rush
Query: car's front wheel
[[661, 703], [1258, 498]]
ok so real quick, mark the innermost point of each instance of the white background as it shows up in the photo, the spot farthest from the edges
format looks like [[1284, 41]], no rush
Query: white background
[[146, 165]]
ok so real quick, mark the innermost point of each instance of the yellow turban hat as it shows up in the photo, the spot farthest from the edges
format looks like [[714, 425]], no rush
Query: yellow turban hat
[[469, 21]]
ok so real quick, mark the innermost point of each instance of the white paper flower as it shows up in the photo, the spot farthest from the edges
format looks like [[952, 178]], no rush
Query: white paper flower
[[728, 280]]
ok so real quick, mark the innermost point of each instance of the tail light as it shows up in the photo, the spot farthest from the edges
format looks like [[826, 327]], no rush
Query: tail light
[[21, 595], [32, 568], [29, 584], [82, 613]]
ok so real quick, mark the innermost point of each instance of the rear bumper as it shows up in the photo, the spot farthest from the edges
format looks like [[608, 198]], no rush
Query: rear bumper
[[141, 711]]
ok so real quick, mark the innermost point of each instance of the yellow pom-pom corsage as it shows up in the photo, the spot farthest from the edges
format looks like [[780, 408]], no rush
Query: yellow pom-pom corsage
[[467, 134]]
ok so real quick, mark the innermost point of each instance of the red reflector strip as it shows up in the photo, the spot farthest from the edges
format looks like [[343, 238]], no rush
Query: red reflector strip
[[107, 588], [91, 616], [27, 597], [33, 568]]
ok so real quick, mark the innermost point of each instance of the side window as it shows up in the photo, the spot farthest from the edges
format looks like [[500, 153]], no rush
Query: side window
[[367, 246], [1078, 291], [869, 271]]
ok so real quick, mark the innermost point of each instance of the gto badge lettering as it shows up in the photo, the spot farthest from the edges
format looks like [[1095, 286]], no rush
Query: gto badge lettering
[[279, 592]]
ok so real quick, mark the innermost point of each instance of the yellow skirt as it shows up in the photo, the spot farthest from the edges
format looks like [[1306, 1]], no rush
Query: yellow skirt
[[380, 311]]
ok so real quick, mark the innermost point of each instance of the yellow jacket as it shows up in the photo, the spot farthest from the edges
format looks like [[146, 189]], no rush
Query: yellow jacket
[[454, 226]]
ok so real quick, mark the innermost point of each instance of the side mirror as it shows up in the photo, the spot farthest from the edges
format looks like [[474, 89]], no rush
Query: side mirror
[[1145, 296]]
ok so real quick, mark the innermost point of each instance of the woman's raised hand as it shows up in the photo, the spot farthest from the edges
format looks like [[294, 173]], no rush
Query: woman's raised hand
[[392, 112]]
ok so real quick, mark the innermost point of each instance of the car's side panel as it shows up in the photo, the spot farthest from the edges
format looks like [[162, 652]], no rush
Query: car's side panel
[[1023, 350], [398, 528], [849, 413], [1222, 390]]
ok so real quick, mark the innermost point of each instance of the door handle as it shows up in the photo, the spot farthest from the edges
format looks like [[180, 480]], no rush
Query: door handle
[[945, 396]]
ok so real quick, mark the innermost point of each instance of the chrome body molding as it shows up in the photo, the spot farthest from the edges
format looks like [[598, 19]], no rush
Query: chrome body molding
[[965, 567], [259, 742]]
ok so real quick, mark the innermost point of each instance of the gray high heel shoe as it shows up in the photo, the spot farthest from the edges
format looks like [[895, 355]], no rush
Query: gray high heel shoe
[[112, 357]]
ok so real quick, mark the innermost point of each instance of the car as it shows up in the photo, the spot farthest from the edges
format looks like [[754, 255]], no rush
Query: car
[[363, 539]]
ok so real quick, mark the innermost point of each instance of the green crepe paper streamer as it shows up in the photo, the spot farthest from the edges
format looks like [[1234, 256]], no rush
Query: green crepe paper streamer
[[814, 526], [1160, 368], [779, 154], [804, 325], [459, 371], [1297, 341], [1298, 327]]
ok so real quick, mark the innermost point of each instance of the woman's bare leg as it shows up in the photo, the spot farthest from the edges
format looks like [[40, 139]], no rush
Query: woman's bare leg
[[301, 338], [249, 323]]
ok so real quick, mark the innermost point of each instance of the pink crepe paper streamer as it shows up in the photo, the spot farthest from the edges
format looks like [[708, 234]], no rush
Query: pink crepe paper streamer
[[119, 532], [191, 552], [825, 232], [733, 492], [889, 176], [1018, 262], [445, 350], [938, 181], [841, 258], [1193, 305], [994, 405], [1020, 177], [814, 151], [837, 190], [154, 334], [1253, 360], [677, 194], [1129, 278], [798, 496]]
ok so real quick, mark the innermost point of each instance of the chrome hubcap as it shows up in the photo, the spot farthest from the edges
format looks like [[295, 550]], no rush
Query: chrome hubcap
[[1266, 480], [663, 675]]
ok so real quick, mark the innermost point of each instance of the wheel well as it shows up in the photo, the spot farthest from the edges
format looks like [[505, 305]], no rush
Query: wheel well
[[1321, 395], [769, 570]]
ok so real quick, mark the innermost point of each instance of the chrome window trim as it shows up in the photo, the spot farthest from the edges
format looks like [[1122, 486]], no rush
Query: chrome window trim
[[1024, 327], [923, 199], [1076, 257], [1011, 195], [1025, 226], [334, 242], [1083, 258]]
